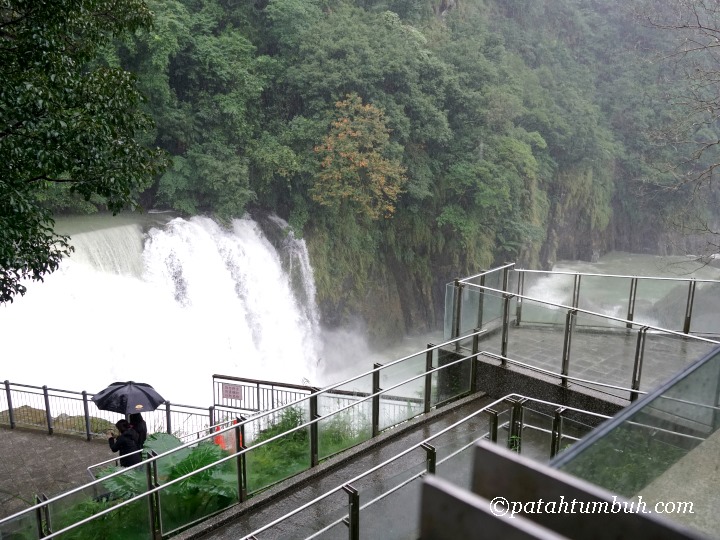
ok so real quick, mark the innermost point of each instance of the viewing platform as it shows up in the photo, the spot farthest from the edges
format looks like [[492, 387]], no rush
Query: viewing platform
[[551, 372]]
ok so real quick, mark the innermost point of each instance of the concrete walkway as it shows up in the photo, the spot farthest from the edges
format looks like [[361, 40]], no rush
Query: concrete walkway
[[33, 462]]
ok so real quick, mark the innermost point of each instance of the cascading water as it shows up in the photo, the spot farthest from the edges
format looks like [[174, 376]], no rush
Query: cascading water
[[172, 307]]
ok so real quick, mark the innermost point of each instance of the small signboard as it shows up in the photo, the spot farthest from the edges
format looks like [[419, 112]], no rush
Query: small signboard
[[232, 391]]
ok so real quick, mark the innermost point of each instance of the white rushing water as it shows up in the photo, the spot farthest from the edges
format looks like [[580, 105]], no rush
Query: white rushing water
[[170, 307]]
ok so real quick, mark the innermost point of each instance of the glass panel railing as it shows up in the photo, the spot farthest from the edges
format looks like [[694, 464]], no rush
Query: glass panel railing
[[549, 287], [539, 345], [605, 294], [599, 352], [661, 303], [400, 403], [666, 354], [344, 429], [380, 519], [663, 449], [452, 381], [22, 527], [284, 456], [389, 492], [346, 416], [706, 309], [536, 437], [125, 521], [202, 494]]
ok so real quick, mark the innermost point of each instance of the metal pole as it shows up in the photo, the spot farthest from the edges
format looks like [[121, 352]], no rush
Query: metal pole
[[48, 413], [505, 328], [556, 436], [431, 457], [631, 302], [353, 519], [168, 421], [576, 291], [689, 306], [428, 378], [314, 442], [493, 421], [516, 424], [42, 528], [153, 499], [211, 414], [567, 341], [481, 302], [521, 291], [458, 312], [637, 367], [243, 461], [376, 400], [474, 361], [11, 412], [88, 434], [239, 461]]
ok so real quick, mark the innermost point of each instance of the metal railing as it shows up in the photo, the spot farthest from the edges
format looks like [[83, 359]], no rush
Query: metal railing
[[498, 315], [514, 416], [74, 413], [322, 436]]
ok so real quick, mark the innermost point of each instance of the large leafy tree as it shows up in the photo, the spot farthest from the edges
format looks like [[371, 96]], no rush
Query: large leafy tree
[[65, 119], [354, 166]]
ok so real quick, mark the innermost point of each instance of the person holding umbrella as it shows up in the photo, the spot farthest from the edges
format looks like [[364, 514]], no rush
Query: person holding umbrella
[[126, 443]]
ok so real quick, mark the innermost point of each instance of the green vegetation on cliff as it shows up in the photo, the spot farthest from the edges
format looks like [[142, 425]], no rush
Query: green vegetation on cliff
[[411, 142]]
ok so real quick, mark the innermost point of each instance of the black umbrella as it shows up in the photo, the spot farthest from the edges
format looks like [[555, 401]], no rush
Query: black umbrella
[[128, 398]]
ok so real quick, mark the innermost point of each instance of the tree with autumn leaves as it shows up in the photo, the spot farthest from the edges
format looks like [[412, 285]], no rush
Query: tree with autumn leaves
[[357, 172]]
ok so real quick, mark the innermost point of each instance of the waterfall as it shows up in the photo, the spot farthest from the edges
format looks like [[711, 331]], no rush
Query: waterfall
[[171, 307]]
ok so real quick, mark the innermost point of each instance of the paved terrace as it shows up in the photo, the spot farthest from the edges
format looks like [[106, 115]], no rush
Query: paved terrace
[[34, 462]]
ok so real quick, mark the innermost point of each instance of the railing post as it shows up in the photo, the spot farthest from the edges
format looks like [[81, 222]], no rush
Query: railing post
[[314, 442], [631, 302], [353, 519], [11, 412], [211, 415], [42, 526], [556, 436], [521, 292], [567, 341], [168, 416], [505, 328], [428, 378], [154, 498], [474, 361], [88, 433], [576, 291], [457, 313], [431, 457], [637, 367], [242, 461], [689, 306], [516, 424], [481, 302], [376, 400], [48, 413], [493, 424]]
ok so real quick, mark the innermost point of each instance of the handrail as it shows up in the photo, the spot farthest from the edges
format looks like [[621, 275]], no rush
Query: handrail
[[657, 278], [233, 427], [593, 313], [407, 451], [487, 272]]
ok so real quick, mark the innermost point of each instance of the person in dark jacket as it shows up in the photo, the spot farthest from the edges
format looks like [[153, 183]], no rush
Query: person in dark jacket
[[126, 444], [139, 425]]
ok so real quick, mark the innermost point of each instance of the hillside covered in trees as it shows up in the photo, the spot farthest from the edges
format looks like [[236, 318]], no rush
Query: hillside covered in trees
[[413, 141]]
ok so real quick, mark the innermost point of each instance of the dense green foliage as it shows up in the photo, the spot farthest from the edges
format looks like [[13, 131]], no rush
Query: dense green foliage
[[415, 141], [64, 122]]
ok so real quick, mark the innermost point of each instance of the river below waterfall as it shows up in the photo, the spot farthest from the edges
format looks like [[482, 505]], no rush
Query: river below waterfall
[[172, 301]]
